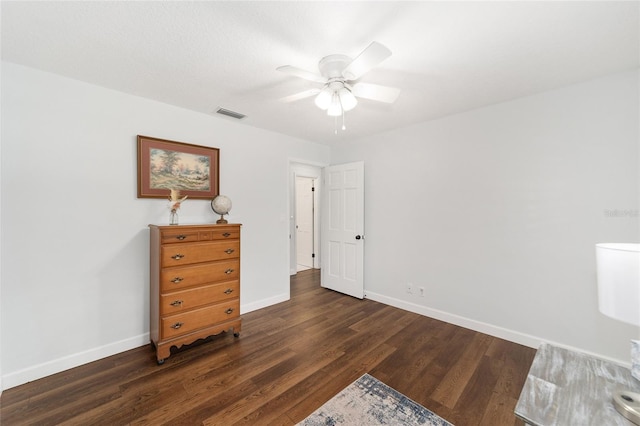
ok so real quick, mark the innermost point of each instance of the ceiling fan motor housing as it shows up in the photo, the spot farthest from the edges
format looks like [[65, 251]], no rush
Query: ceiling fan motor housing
[[331, 66]]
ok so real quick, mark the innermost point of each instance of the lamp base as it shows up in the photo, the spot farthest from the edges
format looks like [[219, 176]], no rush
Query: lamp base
[[628, 404]]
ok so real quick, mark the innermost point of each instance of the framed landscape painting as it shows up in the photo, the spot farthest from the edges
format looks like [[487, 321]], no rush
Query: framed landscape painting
[[165, 165]]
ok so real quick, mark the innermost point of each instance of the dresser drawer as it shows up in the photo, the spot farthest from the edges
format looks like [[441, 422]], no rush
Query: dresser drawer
[[175, 325], [181, 277], [180, 301], [180, 236], [177, 254], [189, 235], [225, 233]]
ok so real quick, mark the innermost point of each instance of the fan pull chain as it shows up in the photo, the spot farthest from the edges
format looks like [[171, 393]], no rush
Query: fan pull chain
[[335, 123]]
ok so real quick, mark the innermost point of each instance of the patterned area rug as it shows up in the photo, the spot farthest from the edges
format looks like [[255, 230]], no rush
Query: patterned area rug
[[368, 401]]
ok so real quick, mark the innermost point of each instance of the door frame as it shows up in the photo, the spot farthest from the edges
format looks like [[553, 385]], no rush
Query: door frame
[[301, 168]]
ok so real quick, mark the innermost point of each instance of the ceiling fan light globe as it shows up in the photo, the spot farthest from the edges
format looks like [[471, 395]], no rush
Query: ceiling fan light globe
[[323, 100], [347, 100]]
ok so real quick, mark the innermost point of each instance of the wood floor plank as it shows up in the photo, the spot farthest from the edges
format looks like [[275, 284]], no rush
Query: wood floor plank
[[477, 395], [510, 379], [495, 413], [458, 376], [331, 379], [273, 384], [289, 360], [414, 356]]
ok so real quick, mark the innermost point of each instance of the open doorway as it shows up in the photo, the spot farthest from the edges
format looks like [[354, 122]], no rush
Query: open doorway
[[304, 222], [304, 232]]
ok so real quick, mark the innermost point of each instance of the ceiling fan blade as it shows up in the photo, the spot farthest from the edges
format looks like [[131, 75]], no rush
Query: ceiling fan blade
[[298, 72], [367, 59], [301, 95], [376, 92]]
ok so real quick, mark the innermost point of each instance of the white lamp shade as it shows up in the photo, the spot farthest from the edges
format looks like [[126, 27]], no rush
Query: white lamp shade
[[347, 99], [323, 100], [618, 271]]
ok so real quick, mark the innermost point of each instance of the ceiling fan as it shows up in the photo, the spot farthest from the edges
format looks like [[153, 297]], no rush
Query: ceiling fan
[[340, 76]]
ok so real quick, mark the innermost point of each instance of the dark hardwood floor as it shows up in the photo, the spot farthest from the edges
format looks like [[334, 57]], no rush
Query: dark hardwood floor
[[289, 359]]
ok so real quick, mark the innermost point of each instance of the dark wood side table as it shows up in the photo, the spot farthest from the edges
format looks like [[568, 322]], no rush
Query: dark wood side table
[[566, 388]]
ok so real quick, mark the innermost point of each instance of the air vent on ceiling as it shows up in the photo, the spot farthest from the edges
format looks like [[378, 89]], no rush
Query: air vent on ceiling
[[230, 113]]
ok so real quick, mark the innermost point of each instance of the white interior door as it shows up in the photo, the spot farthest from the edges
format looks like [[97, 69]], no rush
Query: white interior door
[[343, 229], [304, 222]]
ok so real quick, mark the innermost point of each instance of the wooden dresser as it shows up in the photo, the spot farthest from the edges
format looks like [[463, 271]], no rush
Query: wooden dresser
[[195, 284]]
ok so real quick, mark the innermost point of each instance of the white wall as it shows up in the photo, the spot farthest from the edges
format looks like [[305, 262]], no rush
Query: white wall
[[74, 236], [495, 212]]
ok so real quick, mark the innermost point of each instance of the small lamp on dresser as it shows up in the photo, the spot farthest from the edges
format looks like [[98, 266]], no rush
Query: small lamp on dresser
[[618, 272]]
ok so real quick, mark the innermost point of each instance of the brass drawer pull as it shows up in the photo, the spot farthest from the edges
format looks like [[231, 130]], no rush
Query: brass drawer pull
[[176, 280], [226, 235], [229, 251], [177, 256], [177, 325], [229, 311], [176, 303], [181, 237], [228, 271], [228, 291]]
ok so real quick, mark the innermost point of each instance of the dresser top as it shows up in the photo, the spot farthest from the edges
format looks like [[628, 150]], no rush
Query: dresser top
[[572, 388], [194, 225]]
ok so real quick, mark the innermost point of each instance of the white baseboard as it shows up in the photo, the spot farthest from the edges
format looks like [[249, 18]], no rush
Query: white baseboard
[[492, 330], [54, 366], [250, 307], [481, 327], [74, 360]]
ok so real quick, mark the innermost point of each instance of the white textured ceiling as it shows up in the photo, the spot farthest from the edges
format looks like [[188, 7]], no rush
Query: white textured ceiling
[[447, 57]]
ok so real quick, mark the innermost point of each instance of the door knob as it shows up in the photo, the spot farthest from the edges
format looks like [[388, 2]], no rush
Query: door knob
[[358, 237]]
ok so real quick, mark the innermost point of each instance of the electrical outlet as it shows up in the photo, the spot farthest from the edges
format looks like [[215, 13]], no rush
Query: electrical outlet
[[409, 288], [421, 291]]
